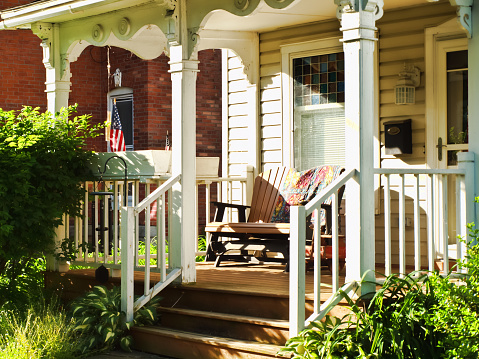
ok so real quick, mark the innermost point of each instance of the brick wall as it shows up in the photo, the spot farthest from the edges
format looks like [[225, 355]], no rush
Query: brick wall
[[22, 75]]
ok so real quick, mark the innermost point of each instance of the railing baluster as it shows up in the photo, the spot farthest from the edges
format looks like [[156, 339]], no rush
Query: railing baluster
[[460, 219], [387, 224], [334, 242], [85, 223], [431, 253], [197, 190], [445, 230], [147, 244], [136, 200], [297, 270], [417, 225], [161, 261], [106, 223], [94, 229], [402, 227], [116, 206], [316, 250]]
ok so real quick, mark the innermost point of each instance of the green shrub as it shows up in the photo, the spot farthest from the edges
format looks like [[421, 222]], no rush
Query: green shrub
[[423, 315], [43, 161], [100, 322]]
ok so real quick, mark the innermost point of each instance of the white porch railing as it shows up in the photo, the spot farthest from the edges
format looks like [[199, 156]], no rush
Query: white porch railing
[[428, 192], [86, 230], [130, 217], [297, 287]]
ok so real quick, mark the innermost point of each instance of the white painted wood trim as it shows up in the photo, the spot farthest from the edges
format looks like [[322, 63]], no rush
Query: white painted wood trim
[[446, 31], [288, 52], [127, 261], [297, 270]]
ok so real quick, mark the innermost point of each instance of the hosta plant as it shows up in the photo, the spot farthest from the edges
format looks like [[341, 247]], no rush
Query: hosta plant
[[101, 323]]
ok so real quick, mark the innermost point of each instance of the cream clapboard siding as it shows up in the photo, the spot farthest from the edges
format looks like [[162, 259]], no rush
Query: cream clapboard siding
[[401, 40], [270, 73], [235, 145]]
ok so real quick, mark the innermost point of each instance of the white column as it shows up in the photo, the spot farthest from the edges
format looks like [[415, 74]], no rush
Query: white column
[[473, 104], [358, 27], [183, 77], [57, 89], [57, 67]]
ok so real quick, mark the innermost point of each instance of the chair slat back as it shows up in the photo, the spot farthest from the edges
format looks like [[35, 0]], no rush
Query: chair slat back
[[265, 194]]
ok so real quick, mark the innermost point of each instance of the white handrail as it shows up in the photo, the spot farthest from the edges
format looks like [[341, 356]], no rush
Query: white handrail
[[297, 274], [333, 187], [153, 196]]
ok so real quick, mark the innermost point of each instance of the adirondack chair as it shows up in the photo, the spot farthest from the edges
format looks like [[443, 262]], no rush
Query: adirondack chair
[[257, 234]]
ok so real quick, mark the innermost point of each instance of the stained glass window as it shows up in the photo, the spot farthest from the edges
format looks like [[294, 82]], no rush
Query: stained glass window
[[318, 79], [319, 121]]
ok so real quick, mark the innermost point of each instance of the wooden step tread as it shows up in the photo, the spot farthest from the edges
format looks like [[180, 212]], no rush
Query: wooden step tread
[[278, 323], [241, 345]]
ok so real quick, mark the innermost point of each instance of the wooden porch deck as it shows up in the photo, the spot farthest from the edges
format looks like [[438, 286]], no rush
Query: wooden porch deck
[[236, 311], [267, 279]]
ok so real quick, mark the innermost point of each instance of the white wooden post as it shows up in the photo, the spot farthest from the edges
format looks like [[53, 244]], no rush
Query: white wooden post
[[473, 104], [127, 236], [297, 270], [57, 89], [466, 161], [358, 27], [183, 77]]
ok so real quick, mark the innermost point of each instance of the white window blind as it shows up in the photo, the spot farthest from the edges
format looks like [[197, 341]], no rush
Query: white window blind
[[319, 136]]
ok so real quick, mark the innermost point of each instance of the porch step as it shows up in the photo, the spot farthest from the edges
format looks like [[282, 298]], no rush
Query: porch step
[[237, 302], [187, 345], [271, 331]]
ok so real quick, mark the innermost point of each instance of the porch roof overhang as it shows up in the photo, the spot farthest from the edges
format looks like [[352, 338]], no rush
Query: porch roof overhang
[[233, 15]]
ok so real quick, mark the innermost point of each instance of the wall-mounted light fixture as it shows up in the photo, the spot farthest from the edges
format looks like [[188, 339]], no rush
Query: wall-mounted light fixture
[[409, 79], [117, 77]]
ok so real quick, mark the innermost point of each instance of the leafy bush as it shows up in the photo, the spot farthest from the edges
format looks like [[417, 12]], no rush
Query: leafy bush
[[424, 315], [100, 322], [43, 163]]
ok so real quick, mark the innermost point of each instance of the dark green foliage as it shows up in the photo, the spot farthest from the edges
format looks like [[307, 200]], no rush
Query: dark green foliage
[[43, 162], [100, 322]]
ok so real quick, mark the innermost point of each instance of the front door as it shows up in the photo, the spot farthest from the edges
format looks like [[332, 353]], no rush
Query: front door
[[451, 130], [451, 65]]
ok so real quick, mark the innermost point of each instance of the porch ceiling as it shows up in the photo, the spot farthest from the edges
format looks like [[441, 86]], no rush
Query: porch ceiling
[[300, 12]]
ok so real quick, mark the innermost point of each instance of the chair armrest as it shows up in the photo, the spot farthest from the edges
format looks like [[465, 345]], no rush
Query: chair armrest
[[220, 210]]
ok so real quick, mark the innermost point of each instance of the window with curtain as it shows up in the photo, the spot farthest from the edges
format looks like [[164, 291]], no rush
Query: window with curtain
[[318, 105]]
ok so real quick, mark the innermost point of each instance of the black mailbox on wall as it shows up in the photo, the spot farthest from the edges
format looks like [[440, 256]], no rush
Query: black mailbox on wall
[[398, 137]]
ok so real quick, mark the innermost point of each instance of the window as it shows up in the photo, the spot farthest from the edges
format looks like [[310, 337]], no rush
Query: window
[[318, 110], [124, 104], [457, 93]]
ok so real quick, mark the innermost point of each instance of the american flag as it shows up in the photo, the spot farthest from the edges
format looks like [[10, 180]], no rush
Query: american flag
[[117, 140]]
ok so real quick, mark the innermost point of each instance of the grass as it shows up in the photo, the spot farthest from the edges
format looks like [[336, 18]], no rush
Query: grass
[[43, 331]]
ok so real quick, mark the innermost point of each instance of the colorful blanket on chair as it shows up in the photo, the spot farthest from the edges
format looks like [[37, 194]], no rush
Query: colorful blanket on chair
[[300, 187]]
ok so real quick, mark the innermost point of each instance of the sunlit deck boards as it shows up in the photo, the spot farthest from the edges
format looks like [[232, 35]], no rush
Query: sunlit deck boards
[[268, 279]]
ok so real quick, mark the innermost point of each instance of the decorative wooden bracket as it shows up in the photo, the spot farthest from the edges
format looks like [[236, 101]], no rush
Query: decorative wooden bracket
[[372, 6], [45, 32], [464, 14]]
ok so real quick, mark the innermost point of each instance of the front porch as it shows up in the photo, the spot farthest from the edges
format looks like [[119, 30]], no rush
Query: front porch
[[235, 311]]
